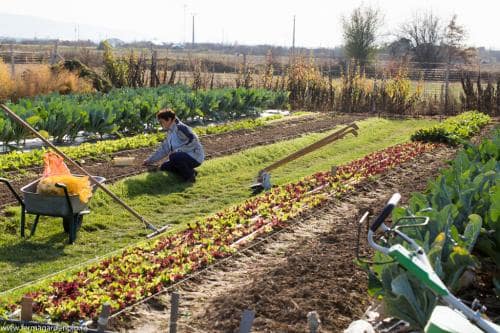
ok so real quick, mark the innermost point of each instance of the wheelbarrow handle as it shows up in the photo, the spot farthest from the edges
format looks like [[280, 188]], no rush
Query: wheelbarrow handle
[[66, 194], [9, 185]]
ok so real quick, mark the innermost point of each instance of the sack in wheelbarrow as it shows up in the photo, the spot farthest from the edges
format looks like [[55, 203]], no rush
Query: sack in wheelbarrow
[[56, 171]]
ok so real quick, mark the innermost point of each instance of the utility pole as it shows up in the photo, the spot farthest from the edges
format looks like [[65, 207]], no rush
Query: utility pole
[[192, 42]]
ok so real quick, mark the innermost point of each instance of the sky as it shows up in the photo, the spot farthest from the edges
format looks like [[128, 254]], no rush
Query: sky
[[318, 22]]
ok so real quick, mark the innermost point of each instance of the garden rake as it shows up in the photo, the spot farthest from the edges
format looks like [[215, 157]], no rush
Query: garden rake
[[263, 181], [148, 225]]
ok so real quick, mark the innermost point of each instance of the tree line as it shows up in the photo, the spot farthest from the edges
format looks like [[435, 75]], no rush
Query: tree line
[[425, 39]]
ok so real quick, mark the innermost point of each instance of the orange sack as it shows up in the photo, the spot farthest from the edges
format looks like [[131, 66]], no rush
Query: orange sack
[[55, 171], [53, 165]]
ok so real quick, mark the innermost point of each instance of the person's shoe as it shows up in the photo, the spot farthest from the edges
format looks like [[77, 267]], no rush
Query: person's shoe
[[191, 179]]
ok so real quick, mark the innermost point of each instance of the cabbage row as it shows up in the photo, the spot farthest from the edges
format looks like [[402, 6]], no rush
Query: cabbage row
[[131, 111]]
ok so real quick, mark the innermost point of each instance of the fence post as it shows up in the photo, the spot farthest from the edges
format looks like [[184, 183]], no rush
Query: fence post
[[246, 321], [333, 170], [102, 322], [153, 78], [313, 321], [12, 61], [53, 57], [27, 308], [174, 312], [446, 87]]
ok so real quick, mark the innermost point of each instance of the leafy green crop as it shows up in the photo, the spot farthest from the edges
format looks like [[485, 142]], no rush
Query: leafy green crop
[[465, 215], [454, 130], [132, 111], [18, 160]]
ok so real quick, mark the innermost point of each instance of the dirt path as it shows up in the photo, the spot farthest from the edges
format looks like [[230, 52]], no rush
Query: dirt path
[[308, 267], [215, 145]]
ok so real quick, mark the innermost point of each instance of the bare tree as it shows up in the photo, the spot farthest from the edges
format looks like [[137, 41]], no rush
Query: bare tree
[[454, 43], [454, 40], [425, 33], [360, 33]]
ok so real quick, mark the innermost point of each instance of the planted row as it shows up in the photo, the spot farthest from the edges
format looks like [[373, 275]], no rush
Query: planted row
[[19, 160], [454, 130], [137, 272], [132, 111], [465, 217]]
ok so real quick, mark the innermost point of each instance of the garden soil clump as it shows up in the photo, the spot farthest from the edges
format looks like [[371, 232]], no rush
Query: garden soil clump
[[215, 145], [306, 267]]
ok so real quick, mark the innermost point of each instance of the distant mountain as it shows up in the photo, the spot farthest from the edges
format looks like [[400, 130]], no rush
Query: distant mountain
[[23, 26]]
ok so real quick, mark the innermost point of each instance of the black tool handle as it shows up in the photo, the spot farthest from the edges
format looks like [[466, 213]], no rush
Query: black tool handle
[[393, 201]]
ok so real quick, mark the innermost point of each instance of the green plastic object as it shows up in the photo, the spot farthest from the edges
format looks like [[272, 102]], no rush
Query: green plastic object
[[413, 265], [446, 320]]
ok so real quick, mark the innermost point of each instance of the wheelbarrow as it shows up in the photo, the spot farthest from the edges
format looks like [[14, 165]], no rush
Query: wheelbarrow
[[69, 206]]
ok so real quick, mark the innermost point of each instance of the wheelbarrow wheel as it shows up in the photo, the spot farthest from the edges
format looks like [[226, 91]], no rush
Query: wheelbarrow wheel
[[68, 220]]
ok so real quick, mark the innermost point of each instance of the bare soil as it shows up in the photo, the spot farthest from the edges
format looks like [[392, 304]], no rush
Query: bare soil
[[306, 267]]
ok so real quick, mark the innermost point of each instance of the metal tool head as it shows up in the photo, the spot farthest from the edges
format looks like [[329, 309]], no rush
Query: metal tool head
[[158, 231], [353, 125]]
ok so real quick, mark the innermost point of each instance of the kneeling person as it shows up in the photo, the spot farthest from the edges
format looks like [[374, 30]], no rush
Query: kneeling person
[[182, 146]]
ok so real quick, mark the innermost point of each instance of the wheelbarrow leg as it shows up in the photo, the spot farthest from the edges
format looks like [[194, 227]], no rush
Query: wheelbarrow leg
[[72, 229], [33, 228], [71, 219], [23, 220], [74, 226], [21, 202]]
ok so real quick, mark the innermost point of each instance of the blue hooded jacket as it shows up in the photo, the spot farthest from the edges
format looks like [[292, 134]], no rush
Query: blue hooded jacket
[[180, 138]]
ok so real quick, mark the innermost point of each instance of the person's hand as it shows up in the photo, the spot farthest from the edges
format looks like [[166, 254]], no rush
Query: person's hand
[[146, 163]]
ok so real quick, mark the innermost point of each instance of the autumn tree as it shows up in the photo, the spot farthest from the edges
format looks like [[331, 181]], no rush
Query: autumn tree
[[360, 31]]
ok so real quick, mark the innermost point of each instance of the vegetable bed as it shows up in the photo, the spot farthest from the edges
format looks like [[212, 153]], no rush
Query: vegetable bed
[[150, 266]]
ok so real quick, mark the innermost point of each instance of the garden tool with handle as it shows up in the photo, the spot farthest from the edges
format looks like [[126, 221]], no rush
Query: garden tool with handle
[[147, 224], [455, 317], [263, 181]]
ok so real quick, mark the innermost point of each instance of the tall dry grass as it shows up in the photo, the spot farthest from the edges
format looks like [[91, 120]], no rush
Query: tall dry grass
[[39, 81], [6, 83]]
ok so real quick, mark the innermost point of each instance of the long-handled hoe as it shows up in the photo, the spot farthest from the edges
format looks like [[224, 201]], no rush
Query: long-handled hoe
[[148, 225], [263, 181]]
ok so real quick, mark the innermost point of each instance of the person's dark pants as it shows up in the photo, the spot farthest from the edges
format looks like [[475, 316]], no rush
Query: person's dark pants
[[182, 164]]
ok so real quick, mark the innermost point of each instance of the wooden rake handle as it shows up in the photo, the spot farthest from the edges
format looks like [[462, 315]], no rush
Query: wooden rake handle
[[350, 128]]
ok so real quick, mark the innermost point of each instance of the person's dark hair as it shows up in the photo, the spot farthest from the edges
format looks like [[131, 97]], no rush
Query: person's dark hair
[[165, 114]]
